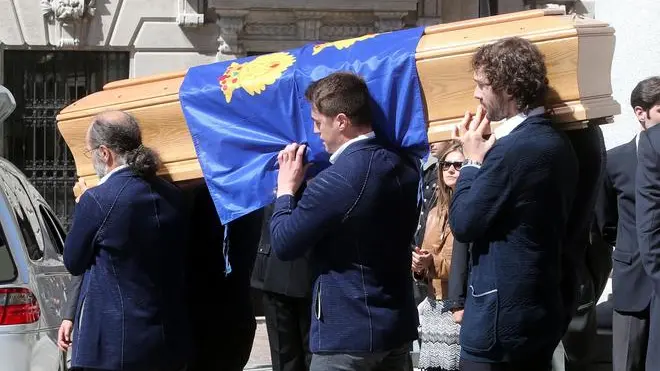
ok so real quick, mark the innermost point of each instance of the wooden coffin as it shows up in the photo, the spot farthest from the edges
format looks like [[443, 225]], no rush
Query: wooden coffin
[[578, 56]]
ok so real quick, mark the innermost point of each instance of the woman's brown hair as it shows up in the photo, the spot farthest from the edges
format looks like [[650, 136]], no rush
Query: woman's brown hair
[[444, 192]]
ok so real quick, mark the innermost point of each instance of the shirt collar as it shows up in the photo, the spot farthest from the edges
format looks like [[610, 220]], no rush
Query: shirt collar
[[343, 147], [107, 176], [507, 126], [637, 141]]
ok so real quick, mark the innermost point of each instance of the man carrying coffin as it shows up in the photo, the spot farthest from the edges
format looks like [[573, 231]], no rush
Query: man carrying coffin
[[359, 216]]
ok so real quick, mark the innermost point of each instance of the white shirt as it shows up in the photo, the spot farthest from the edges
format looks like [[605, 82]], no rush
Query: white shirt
[[107, 176], [507, 126], [511, 123], [343, 147]]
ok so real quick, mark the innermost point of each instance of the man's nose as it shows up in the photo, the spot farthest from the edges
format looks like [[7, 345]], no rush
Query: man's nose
[[477, 93]]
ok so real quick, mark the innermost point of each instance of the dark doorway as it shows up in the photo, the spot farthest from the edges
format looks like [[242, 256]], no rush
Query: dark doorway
[[44, 82]]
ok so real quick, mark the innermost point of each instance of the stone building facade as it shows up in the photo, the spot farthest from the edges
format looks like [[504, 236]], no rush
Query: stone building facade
[[53, 52]]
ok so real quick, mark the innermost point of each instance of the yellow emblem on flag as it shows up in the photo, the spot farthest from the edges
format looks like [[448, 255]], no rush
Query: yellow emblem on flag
[[255, 75], [341, 44]]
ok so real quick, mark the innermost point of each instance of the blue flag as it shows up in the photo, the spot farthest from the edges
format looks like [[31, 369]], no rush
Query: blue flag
[[242, 112]]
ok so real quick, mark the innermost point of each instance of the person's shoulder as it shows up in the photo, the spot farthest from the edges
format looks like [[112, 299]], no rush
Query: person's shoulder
[[622, 148], [533, 143], [652, 139]]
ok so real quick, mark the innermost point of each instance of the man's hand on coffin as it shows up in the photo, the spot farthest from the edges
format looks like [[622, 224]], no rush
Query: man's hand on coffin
[[475, 134], [79, 188], [292, 165]]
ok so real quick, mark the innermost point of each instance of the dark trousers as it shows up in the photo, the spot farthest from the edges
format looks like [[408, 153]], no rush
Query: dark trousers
[[534, 365], [223, 336], [630, 336], [287, 322], [394, 360], [653, 357]]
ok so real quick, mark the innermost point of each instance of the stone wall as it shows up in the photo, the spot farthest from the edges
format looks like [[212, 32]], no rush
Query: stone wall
[[170, 35]]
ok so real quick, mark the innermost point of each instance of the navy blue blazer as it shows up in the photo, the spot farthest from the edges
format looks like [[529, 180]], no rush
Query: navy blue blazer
[[515, 210], [615, 213], [648, 205], [128, 238], [359, 216]]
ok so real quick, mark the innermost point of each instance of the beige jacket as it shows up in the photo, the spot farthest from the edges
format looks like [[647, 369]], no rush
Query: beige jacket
[[439, 241]]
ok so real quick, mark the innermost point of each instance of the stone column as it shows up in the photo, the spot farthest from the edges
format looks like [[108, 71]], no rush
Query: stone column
[[309, 24], [389, 21], [429, 12], [191, 13], [231, 24]]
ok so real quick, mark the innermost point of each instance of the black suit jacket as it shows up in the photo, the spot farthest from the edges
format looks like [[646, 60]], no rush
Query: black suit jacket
[[648, 204], [458, 275], [586, 260], [270, 273], [72, 293], [615, 213]]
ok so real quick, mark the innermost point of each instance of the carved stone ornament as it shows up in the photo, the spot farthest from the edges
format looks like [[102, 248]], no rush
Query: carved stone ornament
[[231, 24], [68, 11], [68, 20]]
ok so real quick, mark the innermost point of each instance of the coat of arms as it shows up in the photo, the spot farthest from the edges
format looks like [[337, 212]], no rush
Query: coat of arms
[[341, 44], [254, 76]]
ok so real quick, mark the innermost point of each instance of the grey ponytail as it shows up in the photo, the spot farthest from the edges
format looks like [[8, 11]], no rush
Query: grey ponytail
[[143, 161], [121, 134]]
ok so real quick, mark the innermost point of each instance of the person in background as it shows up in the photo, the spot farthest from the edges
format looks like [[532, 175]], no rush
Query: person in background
[[223, 339], [128, 239], [69, 313], [286, 288], [430, 199], [646, 102], [632, 287], [439, 350]]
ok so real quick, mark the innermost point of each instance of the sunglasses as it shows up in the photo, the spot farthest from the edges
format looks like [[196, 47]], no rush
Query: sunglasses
[[456, 164]]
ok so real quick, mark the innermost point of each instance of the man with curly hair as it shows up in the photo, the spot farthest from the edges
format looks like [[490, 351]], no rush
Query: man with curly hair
[[512, 201]]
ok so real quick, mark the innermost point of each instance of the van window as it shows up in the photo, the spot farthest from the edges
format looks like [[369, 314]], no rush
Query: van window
[[53, 230], [31, 245], [8, 271]]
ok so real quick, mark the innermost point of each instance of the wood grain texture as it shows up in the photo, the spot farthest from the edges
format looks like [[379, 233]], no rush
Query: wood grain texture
[[578, 55]]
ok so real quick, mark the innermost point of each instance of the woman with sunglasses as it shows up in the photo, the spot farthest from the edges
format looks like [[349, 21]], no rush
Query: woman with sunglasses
[[439, 350]]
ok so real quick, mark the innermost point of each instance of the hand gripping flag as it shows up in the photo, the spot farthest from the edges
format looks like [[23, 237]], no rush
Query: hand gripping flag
[[242, 112]]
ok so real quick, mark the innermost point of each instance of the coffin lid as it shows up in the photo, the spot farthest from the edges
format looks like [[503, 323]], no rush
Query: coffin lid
[[457, 37]]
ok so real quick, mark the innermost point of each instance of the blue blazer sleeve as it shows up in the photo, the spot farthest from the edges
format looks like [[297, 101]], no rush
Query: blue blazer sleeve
[[296, 227], [647, 203], [79, 244], [479, 196]]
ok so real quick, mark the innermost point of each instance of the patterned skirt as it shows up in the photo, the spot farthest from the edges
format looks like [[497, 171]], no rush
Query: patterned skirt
[[439, 349]]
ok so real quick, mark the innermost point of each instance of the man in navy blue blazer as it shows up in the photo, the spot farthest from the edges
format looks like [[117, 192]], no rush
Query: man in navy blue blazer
[[128, 239], [647, 205], [358, 216], [513, 201]]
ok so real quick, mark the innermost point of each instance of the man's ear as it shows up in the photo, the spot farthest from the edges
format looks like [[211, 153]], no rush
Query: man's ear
[[105, 153], [641, 115], [343, 121]]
